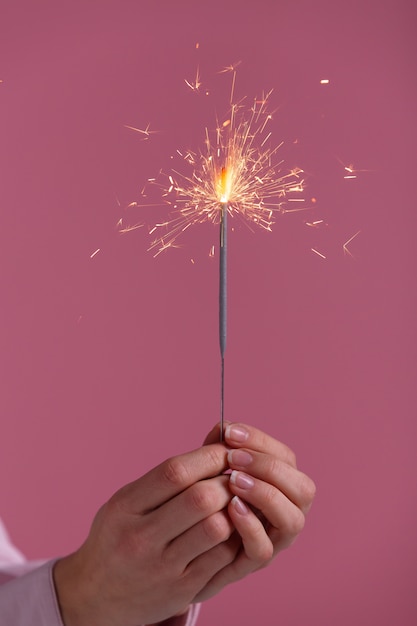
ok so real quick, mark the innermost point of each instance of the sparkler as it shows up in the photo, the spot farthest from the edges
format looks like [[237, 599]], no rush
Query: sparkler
[[223, 290], [238, 175], [237, 165]]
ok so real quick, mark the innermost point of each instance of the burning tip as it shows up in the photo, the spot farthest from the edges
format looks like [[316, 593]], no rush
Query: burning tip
[[224, 185]]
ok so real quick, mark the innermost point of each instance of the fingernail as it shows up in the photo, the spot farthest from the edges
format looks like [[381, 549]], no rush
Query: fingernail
[[241, 458], [236, 433], [241, 480], [240, 506]]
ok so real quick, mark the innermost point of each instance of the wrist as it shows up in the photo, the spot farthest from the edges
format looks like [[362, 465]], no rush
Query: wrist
[[71, 592]]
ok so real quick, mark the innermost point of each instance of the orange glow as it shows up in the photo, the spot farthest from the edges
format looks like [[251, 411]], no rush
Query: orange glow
[[225, 185]]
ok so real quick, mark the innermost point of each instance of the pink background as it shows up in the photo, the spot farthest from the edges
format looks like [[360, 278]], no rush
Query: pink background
[[110, 364]]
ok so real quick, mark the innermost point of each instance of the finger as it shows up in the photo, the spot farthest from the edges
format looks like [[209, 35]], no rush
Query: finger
[[257, 544], [188, 508], [279, 511], [241, 435], [201, 538], [257, 549], [298, 487], [171, 478], [234, 570], [207, 566]]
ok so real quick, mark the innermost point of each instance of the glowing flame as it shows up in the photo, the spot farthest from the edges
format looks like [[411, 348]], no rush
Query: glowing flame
[[225, 185]]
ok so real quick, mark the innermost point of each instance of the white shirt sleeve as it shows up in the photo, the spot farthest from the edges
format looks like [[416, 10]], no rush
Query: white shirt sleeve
[[27, 592]]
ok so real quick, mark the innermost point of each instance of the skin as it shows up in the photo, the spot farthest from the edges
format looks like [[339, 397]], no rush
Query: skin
[[185, 530]]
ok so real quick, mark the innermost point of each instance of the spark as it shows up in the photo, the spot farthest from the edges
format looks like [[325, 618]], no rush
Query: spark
[[324, 81], [283, 210], [345, 245], [316, 223], [127, 229], [237, 168], [145, 131], [351, 169], [318, 253], [94, 253], [195, 84], [231, 68]]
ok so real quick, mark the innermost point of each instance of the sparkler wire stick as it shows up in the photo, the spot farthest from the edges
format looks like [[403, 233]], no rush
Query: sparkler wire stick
[[222, 306], [235, 175]]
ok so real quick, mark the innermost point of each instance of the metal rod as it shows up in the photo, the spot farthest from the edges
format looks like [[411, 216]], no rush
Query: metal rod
[[222, 306]]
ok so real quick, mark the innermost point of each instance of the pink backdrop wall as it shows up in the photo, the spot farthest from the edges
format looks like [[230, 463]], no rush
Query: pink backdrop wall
[[110, 364]]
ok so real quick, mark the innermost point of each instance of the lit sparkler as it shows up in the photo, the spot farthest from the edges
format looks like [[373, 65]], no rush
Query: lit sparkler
[[237, 163], [238, 175]]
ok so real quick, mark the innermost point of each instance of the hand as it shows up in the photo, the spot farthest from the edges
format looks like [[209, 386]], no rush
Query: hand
[[153, 547], [266, 478], [175, 536]]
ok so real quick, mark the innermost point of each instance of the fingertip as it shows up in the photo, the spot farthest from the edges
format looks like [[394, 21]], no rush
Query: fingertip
[[257, 544], [236, 433], [239, 506], [214, 434]]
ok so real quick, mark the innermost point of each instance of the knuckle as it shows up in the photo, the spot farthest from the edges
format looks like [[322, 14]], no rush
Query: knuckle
[[201, 497], [307, 489], [295, 522], [265, 554], [262, 440], [269, 496], [215, 457], [287, 456], [113, 509], [276, 468], [291, 458], [175, 472], [264, 548], [217, 528]]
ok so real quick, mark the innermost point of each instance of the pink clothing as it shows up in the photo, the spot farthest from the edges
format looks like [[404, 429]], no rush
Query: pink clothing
[[27, 592]]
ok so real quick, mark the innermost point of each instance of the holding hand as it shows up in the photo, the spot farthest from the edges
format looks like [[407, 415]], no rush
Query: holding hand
[[183, 531], [265, 477]]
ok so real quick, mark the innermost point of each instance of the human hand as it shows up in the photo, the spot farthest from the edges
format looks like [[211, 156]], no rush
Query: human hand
[[265, 477], [174, 536], [153, 547]]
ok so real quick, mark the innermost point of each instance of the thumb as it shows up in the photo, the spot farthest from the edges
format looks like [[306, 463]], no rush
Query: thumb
[[214, 434]]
